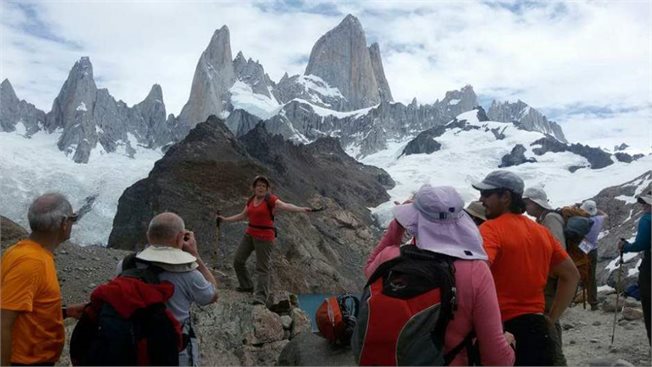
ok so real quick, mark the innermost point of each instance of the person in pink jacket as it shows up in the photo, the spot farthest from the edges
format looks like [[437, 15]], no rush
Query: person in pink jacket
[[458, 237]]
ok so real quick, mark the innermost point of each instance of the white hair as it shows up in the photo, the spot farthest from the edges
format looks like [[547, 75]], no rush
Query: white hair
[[47, 212], [164, 227]]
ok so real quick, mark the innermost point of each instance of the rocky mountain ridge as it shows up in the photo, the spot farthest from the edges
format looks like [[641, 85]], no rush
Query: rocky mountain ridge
[[343, 93]]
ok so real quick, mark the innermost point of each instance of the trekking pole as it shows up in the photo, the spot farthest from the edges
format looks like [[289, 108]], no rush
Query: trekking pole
[[620, 274], [315, 210]]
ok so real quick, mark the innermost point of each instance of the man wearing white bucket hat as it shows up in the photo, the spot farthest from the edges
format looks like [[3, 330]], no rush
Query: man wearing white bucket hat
[[174, 249], [598, 217], [521, 255]]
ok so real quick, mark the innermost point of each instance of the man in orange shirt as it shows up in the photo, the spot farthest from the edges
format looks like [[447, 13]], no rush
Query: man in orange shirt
[[32, 316], [521, 255]]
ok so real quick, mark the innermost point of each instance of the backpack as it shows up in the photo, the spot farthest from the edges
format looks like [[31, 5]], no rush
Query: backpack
[[577, 224], [336, 318], [405, 308], [151, 335], [270, 208]]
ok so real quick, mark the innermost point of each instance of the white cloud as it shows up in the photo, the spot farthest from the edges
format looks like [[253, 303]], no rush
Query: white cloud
[[552, 55]]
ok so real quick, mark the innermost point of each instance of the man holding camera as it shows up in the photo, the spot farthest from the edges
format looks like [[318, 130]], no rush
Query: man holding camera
[[173, 248]]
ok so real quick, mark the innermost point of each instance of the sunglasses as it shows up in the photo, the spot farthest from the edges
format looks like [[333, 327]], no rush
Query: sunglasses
[[488, 193], [72, 218]]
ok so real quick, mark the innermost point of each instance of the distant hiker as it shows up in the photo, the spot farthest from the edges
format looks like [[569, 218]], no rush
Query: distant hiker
[[521, 255], [444, 234], [477, 212], [30, 298], [642, 243], [537, 205], [259, 236], [173, 248], [598, 217]]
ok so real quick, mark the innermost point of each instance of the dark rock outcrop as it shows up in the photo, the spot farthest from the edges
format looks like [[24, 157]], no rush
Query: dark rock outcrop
[[252, 73], [515, 157], [424, 143], [596, 156], [525, 117], [11, 232], [626, 158], [13, 111], [211, 169], [624, 215]]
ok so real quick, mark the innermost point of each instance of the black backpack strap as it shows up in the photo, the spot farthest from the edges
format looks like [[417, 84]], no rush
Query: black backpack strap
[[270, 207], [129, 261], [148, 275], [467, 343]]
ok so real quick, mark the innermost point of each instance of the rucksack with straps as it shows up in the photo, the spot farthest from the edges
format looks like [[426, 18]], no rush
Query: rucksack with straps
[[577, 224], [127, 323], [270, 208], [405, 308], [336, 318]]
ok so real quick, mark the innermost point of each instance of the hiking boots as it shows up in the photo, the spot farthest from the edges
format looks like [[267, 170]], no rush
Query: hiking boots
[[594, 307], [244, 290]]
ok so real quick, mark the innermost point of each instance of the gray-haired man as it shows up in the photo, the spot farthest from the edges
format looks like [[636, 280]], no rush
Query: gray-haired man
[[173, 248], [32, 316]]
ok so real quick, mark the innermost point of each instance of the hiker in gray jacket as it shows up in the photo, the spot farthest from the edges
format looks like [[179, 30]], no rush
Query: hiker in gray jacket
[[537, 206]]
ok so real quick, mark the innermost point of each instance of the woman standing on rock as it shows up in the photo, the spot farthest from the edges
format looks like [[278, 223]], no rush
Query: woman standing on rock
[[259, 236]]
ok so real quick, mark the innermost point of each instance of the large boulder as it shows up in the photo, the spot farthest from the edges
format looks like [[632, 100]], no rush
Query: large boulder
[[10, 232]]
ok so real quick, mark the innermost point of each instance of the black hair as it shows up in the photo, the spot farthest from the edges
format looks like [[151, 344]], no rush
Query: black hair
[[517, 204]]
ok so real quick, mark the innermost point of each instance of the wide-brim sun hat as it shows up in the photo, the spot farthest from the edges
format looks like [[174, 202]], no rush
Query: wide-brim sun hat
[[538, 196], [437, 219], [646, 197], [165, 255], [476, 209]]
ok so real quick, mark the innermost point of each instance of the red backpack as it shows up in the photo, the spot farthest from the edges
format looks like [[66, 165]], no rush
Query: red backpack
[[336, 318], [405, 309]]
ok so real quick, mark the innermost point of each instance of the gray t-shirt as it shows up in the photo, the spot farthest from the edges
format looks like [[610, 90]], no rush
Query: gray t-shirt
[[189, 287]]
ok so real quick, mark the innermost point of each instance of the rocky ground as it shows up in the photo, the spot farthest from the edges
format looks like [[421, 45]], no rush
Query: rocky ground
[[233, 332]]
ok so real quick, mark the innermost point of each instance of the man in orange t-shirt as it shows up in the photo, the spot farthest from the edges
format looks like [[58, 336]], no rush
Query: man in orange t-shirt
[[32, 316], [521, 255]]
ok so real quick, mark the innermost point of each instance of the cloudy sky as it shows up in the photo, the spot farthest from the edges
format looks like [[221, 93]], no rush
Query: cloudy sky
[[587, 65]]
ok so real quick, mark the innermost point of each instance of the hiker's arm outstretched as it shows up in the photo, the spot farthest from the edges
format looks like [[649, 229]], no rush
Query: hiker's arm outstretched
[[7, 319], [234, 218], [568, 277], [291, 207], [642, 241]]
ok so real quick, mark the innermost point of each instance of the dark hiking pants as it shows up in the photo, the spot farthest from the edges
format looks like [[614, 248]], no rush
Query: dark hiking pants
[[263, 265], [644, 287], [534, 347], [592, 287], [555, 334]]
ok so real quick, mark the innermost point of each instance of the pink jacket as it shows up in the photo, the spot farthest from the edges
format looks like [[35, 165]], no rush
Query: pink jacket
[[477, 303]]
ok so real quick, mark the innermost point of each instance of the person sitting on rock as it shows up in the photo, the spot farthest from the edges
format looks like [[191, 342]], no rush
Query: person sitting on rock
[[259, 236], [174, 249], [455, 235], [642, 243], [32, 316]]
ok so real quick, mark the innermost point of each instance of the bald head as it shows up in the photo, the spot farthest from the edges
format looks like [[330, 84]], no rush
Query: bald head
[[163, 229], [47, 212]]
